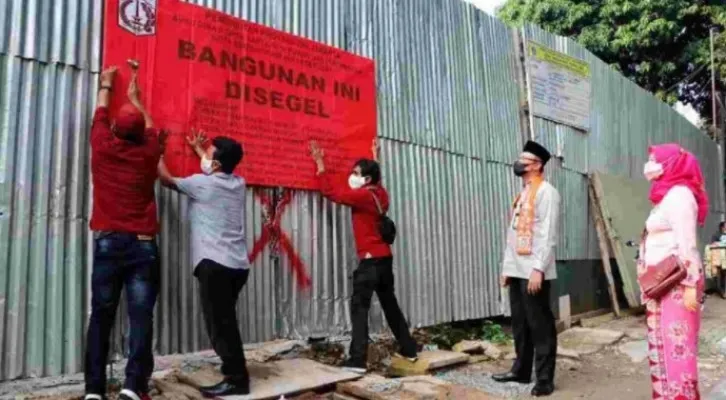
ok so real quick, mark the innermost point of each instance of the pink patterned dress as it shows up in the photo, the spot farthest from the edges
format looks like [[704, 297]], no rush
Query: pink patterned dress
[[672, 329]]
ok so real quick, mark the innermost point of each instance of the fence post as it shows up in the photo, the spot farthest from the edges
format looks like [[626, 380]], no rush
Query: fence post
[[520, 52]]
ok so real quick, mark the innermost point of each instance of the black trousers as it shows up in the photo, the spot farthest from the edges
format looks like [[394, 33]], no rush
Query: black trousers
[[376, 275], [535, 333], [721, 282], [219, 287]]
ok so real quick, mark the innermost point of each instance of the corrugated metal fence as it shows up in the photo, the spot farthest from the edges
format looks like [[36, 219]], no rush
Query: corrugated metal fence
[[448, 106], [625, 120]]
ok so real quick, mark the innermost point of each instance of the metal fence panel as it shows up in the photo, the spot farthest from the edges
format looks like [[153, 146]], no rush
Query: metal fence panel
[[43, 234], [61, 31]]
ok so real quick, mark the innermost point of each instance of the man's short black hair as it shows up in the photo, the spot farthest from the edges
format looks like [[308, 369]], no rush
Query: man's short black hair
[[370, 169], [721, 225], [228, 152]]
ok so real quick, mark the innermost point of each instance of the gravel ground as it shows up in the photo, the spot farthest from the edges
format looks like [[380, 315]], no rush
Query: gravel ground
[[484, 382]]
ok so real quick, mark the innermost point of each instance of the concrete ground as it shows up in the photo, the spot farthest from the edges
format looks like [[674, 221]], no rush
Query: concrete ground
[[621, 370], [605, 361]]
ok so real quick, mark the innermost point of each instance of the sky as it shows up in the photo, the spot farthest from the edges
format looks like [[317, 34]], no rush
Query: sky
[[487, 5]]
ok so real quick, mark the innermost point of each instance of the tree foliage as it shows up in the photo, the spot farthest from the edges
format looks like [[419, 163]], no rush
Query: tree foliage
[[662, 45]]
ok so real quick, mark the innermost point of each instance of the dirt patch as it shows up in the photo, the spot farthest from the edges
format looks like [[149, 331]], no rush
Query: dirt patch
[[609, 375], [261, 371], [325, 352], [333, 354], [379, 354], [602, 376], [606, 375]]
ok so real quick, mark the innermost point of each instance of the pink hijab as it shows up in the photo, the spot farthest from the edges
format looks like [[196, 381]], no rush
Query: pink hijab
[[680, 167]]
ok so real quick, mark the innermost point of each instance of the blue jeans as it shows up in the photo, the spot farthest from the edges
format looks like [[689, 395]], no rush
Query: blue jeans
[[122, 260]]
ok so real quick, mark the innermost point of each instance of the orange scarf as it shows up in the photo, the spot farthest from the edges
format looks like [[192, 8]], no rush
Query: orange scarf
[[525, 222]]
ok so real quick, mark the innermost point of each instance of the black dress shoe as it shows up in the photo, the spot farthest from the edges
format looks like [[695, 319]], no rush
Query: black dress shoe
[[208, 387], [543, 389], [510, 377], [354, 366], [225, 388]]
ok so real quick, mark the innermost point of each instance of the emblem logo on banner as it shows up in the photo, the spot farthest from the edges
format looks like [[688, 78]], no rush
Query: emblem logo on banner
[[138, 16]]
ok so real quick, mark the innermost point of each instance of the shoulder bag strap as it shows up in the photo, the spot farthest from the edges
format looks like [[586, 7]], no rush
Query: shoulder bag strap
[[378, 203]]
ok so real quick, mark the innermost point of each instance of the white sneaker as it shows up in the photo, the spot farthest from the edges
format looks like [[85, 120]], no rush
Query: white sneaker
[[93, 397], [128, 394]]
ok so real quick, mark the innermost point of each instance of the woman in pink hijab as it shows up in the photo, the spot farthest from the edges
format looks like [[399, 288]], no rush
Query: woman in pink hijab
[[680, 204]]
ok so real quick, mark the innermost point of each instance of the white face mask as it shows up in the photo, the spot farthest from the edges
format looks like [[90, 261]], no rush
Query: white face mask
[[652, 170], [356, 181], [206, 165]]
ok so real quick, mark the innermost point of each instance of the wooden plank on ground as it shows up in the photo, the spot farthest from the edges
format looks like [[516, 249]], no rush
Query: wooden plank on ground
[[427, 361], [271, 380], [202, 377], [172, 389], [414, 387], [604, 243]]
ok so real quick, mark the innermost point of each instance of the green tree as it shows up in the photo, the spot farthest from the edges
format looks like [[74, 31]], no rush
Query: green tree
[[662, 45]]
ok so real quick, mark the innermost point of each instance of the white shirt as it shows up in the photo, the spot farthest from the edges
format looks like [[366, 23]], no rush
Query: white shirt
[[217, 216], [545, 232]]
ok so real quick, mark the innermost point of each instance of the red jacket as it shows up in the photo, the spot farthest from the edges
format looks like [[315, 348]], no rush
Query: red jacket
[[123, 180], [368, 241]]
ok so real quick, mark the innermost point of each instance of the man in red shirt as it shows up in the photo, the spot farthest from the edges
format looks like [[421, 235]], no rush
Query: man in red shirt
[[363, 193], [124, 156]]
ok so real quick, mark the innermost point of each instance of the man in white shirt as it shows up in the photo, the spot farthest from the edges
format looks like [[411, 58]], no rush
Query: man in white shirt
[[529, 268], [219, 251]]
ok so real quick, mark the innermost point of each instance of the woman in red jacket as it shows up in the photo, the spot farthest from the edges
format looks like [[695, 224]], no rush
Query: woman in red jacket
[[363, 193]]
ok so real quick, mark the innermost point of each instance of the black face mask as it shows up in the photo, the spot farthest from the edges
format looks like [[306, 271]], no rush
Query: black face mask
[[519, 168]]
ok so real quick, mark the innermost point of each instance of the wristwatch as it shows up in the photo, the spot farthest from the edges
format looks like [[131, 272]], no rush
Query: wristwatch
[[109, 88]]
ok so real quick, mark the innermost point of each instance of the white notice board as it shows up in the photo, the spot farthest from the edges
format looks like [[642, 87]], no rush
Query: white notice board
[[559, 86]]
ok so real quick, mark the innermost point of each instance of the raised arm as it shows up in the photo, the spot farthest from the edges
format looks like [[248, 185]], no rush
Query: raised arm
[[101, 133], [106, 87], [196, 140], [134, 94], [165, 176], [341, 194]]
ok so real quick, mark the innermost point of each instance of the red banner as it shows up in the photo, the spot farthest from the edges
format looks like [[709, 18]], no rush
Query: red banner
[[272, 91]]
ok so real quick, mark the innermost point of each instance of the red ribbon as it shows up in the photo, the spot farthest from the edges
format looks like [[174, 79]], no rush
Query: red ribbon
[[273, 235]]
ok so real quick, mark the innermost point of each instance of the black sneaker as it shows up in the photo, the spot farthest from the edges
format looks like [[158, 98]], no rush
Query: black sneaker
[[354, 367]]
